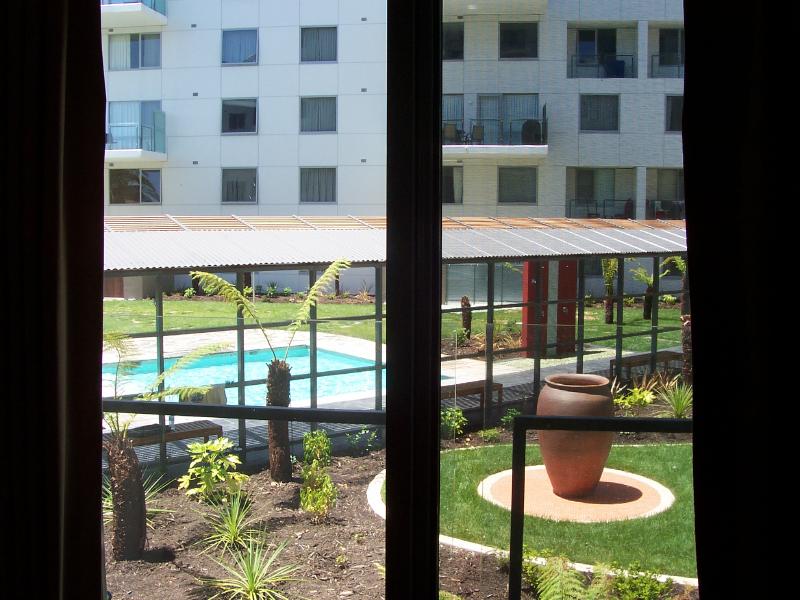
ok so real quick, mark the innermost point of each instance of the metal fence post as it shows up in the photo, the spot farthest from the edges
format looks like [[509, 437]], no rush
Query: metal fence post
[[581, 309], [654, 316], [159, 304], [517, 511], [312, 347], [378, 338], [489, 352], [241, 377], [620, 316]]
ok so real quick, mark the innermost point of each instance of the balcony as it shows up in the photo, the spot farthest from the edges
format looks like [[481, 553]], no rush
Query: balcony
[[666, 66], [133, 143], [671, 210], [602, 66], [601, 209], [485, 138], [117, 13]]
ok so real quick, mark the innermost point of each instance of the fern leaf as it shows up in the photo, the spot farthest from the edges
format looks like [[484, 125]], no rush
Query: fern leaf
[[560, 582], [185, 361], [602, 586]]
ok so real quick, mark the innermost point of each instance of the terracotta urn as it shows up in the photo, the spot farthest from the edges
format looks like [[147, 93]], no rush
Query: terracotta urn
[[574, 460]]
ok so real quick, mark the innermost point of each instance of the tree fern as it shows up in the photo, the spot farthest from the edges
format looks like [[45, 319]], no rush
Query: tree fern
[[678, 261], [602, 586], [558, 581]]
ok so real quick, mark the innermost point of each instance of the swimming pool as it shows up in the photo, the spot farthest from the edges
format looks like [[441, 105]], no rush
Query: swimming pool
[[222, 368]]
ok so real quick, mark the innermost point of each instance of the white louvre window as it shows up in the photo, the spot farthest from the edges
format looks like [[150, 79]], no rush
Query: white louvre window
[[239, 186], [318, 44], [318, 185], [517, 185], [240, 47], [599, 112], [317, 114]]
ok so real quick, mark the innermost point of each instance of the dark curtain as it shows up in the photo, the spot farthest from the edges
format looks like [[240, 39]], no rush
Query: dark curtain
[[52, 221]]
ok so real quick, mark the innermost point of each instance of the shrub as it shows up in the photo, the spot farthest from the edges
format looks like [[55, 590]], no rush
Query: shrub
[[635, 399], [317, 447], [460, 336], [489, 435], [272, 289], [247, 290], [629, 301], [251, 574], [287, 291], [508, 418], [678, 399], [362, 441], [189, 292], [230, 523], [318, 493], [669, 299], [638, 584], [453, 421], [212, 470]]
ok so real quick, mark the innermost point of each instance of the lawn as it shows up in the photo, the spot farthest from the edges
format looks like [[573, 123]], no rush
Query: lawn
[[138, 316], [664, 542]]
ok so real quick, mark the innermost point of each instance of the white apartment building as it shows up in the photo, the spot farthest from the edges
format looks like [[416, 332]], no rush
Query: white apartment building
[[275, 107]]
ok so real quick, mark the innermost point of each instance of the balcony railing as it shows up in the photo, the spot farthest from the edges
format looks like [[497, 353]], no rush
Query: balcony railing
[[602, 66], [495, 132], [156, 5], [666, 209], [601, 209], [666, 65], [135, 136]]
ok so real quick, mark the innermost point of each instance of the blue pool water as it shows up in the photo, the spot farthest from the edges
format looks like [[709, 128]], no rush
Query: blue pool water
[[221, 368]]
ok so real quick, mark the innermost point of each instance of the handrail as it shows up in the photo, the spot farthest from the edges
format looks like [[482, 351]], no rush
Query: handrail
[[159, 6], [672, 68], [602, 66]]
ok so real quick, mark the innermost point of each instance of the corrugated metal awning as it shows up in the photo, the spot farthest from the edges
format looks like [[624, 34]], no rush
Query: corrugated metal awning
[[165, 242]]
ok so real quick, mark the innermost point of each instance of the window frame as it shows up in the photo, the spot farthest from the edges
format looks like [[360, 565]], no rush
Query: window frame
[[238, 64], [300, 185], [322, 131], [140, 203], [459, 201], [681, 55], [580, 113], [223, 202], [140, 34], [222, 119], [535, 201], [500, 34], [451, 23], [668, 113], [318, 62]]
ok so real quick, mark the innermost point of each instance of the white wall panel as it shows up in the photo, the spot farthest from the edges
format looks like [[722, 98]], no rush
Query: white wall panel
[[183, 83], [142, 84], [318, 150], [239, 82], [238, 14], [319, 12], [191, 48], [279, 80], [239, 151], [355, 147], [319, 80], [365, 42], [352, 11], [362, 114], [354, 76], [195, 116]]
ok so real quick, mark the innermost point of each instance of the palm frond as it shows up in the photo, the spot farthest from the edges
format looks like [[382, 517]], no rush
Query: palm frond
[[216, 285], [183, 362]]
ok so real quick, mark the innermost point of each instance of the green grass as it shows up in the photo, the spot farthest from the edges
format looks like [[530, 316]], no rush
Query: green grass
[[663, 543], [138, 316]]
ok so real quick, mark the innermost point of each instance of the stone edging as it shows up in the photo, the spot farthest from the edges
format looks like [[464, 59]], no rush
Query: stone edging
[[376, 504]]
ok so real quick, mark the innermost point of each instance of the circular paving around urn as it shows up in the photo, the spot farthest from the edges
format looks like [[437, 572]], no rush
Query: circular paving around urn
[[619, 496]]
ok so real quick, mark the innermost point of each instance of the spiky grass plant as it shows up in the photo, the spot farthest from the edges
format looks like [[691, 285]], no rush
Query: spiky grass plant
[[231, 523], [129, 507], [153, 485], [252, 574], [278, 371], [678, 400]]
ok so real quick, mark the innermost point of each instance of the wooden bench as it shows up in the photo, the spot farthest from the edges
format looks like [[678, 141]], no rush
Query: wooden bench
[[180, 431], [470, 388], [663, 358]]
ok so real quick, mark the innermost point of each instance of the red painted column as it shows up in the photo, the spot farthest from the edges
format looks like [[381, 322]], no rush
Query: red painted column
[[530, 272], [567, 289]]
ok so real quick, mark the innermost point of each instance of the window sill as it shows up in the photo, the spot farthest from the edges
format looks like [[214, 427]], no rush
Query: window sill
[[318, 132], [238, 133], [245, 64], [319, 62], [158, 68], [616, 131], [307, 203], [517, 58]]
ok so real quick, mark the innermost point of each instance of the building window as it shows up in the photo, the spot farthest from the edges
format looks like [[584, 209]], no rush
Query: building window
[[670, 47], [318, 114], [519, 40], [318, 185], [239, 116], [599, 112], [134, 51], [516, 185], [318, 44], [134, 125], [239, 186], [135, 186], [674, 113], [240, 47], [452, 185], [453, 41]]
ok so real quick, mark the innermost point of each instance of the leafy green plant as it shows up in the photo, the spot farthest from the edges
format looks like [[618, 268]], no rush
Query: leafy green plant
[[634, 583], [602, 585], [189, 292], [153, 485], [489, 436], [230, 523], [317, 447], [629, 301], [287, 291], [278, 370], [252, 574], [247, 290], [669, 299], [634, 399], [453, 421], [272, 289], [508, 418], [678, 400], [318, 493], [445, 595], [460, 336], [558, 581], [362, 441], [213, 470], [341, 561]]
